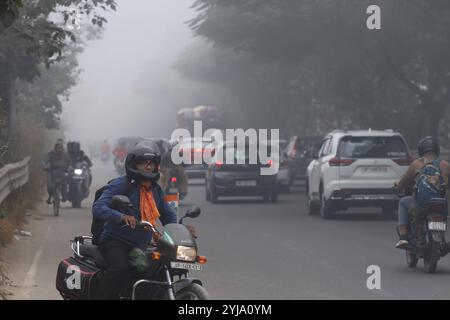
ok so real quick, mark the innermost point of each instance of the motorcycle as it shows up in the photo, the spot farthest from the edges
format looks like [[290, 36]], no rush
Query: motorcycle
[[173, 183], [172, 193], [79, 184], [426, 235], [174, 254]]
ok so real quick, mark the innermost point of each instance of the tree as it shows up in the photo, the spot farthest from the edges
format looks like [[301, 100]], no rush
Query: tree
[[371, 78], [33, 39], [9, 10]]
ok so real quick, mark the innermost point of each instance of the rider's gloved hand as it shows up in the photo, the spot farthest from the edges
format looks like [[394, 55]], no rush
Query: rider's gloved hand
[[129, 220], [192, 230]]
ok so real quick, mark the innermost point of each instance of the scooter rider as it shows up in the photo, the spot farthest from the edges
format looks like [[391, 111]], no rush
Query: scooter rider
[[116, 241], [429, 150]]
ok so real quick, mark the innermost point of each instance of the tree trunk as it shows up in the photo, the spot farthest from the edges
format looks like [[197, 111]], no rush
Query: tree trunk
[[9, 96]]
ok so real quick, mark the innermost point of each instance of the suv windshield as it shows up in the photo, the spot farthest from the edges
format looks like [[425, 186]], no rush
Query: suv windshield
[[372, 147]]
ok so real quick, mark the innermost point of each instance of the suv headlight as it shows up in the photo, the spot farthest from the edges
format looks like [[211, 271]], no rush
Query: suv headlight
[[186, 253], [78, 172]]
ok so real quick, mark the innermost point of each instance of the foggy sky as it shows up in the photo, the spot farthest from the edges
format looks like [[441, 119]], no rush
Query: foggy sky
[[128, 85]]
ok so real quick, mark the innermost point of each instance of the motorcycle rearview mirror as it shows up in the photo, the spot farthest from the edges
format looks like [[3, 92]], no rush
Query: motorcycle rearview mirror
[[193, 212], [121, 201]]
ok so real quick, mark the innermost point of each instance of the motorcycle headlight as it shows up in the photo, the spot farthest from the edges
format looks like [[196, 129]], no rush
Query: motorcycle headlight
[[78, 172], [186, 253]]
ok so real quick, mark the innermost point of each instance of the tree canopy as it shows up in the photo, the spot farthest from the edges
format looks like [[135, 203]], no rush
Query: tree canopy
[[318, 55]]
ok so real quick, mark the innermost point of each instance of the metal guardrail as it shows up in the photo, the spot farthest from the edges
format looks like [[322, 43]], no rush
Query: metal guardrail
[[13, 176]]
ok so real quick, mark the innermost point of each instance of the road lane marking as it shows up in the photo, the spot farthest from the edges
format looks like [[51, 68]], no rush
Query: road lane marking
[[31, 274]]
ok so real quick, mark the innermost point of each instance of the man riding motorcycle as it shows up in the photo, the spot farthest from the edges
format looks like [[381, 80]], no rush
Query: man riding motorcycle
[[429, 150], [116, 242], [57, 163], [78, 155]]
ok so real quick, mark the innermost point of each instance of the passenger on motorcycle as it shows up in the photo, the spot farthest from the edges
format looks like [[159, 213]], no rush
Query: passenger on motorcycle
[[57, 163], [140, 184], [429, 150]]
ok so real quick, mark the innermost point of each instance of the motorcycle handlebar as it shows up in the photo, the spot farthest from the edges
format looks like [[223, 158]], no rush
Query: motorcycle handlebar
[[142, 224]]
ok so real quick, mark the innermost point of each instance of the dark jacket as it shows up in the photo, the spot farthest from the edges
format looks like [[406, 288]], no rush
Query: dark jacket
[[57, 161], [113, 228]]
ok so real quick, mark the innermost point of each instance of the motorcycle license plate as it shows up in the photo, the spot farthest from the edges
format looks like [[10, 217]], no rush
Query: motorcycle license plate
[[437, 225], [186, 265], [173, 190]]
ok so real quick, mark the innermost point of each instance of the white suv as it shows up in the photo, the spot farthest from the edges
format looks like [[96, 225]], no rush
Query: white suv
[[356, 169]]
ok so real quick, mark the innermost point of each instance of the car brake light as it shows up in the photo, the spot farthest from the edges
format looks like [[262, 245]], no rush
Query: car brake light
[[198, 150], [339, 162], [269, 163], [404, 161], [218, 164]]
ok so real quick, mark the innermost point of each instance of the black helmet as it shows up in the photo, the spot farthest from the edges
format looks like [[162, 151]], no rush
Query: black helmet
[[428, 144], [73, 147], [142, 153], [162, 144]]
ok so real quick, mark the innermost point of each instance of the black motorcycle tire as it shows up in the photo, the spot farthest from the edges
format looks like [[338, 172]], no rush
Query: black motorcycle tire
[[56, 201], [76, 196], [411, 259], [207, 194], [193, 292], [431, 258], [214, 196]]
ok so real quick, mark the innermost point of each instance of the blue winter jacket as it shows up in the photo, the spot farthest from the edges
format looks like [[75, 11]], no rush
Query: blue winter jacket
[[113, 228]]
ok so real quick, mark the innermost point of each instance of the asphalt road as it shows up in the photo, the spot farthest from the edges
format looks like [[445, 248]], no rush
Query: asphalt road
[[255, 250]]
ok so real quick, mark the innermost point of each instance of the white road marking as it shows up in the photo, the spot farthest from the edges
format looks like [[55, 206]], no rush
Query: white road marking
[[31, 274]]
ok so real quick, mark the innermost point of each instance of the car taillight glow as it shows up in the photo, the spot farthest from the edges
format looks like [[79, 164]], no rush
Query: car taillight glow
[[339, 162], [218, 164], [404, 161], [173, 179]]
